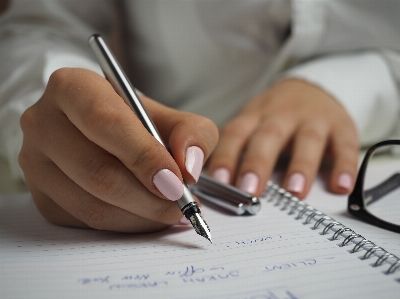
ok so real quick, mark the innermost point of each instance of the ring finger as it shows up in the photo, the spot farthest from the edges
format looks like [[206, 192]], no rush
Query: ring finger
[[308, 148]]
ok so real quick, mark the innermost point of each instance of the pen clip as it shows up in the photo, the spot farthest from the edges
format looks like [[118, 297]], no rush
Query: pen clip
[[226, 196]]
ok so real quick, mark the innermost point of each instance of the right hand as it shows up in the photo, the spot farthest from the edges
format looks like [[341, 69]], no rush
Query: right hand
[[89, 162]]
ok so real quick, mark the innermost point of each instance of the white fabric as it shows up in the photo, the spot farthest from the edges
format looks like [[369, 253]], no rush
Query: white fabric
[[209, 57], [370, 99]]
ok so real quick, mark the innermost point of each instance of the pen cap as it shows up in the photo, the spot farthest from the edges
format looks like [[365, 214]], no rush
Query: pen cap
[[226, 196], [225, 203]]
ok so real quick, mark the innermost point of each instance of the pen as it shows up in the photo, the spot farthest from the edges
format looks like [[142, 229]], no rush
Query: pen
[[225, 196], [120, 82]]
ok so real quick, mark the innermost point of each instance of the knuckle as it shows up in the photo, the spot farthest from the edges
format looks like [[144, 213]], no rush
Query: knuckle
[[234, 128], [352, 147], [40, 203], [23, 159], [306, 164], [272, 128], [347, 149], [313, 134], [29, 120], [159, 212], [107, 178], [143, 157], [96, 216], [208, 127], [347, 161], [44, 205], [146, 158], [260, 162], [59, 79], [163, 212], [203, 123], [32, 134], [351, 144], [100, 117]]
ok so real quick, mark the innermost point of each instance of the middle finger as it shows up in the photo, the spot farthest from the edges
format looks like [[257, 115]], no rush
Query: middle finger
[[102, 174], [262, 152]]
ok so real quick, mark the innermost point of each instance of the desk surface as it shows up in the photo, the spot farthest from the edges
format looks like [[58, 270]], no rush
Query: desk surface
[[333, 205], [41, 260]]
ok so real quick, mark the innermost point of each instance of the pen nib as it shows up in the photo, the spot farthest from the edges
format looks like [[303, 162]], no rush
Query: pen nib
[[200, 226]]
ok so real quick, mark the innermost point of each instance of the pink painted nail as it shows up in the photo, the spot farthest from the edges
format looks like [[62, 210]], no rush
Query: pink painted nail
[[168, 184], [194, 161], [297, 183], [345, 181], [222, 175], [249, 183]]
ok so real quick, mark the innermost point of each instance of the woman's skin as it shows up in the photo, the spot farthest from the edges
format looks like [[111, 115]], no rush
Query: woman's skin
[[89, 162], [290, 112]]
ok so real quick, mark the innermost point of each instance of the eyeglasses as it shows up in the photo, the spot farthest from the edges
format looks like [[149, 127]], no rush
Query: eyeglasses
[[376, 195]]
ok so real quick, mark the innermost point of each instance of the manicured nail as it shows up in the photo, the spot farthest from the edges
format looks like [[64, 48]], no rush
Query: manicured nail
[[345, 181], [297, 183], [249, 183], [222, 175], [168, 184], [194, 161]]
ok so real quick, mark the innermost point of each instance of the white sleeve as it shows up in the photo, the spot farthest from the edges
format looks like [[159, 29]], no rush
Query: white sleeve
[[364, 84], [36, 38]]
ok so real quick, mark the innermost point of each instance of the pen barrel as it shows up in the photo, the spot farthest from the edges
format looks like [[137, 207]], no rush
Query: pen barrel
[[121, 84]]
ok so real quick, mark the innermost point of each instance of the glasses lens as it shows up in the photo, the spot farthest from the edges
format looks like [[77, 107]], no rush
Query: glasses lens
[[382, 184]]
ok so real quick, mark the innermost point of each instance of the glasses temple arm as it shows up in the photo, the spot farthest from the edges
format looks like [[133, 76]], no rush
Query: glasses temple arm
[[377, 192]]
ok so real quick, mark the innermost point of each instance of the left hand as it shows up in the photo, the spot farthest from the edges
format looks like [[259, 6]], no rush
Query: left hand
[[291, 112]]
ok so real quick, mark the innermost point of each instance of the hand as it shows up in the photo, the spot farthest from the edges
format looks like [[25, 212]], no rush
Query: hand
[[89, 162], [292, 112]]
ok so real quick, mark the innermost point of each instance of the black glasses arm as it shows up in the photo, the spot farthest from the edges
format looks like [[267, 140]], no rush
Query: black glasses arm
[[388, 185]]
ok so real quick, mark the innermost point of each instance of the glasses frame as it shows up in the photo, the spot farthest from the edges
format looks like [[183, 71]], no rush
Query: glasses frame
[[356, 205]]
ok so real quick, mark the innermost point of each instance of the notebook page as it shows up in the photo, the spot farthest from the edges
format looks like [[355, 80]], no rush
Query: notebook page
[[336, 205], [271, 255]]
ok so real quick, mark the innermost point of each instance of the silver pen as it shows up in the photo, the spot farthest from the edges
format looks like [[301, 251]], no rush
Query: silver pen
[[225, 196], [120, 82]]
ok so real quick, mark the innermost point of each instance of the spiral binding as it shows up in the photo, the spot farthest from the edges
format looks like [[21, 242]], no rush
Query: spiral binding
[[293, 205]]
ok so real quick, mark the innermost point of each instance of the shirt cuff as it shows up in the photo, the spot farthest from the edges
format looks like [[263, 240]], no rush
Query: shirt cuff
[[363, 84], [23, 89]]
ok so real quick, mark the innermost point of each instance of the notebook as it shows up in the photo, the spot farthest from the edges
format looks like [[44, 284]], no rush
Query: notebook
[[288, 250]]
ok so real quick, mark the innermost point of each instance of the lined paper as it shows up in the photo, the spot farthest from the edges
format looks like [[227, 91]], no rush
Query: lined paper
[[270, 255]]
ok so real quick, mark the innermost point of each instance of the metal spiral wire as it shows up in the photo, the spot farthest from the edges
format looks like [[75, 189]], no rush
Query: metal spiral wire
[[281, 198]]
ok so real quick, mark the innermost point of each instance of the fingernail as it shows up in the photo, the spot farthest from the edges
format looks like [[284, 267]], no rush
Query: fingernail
[[296, 183], [168, 184], [345, 181], [249, 182], [194, 161], [222, 175]]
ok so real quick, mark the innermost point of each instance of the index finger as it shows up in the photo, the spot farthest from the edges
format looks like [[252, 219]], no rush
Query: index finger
[[92, 105], [191, 138]]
